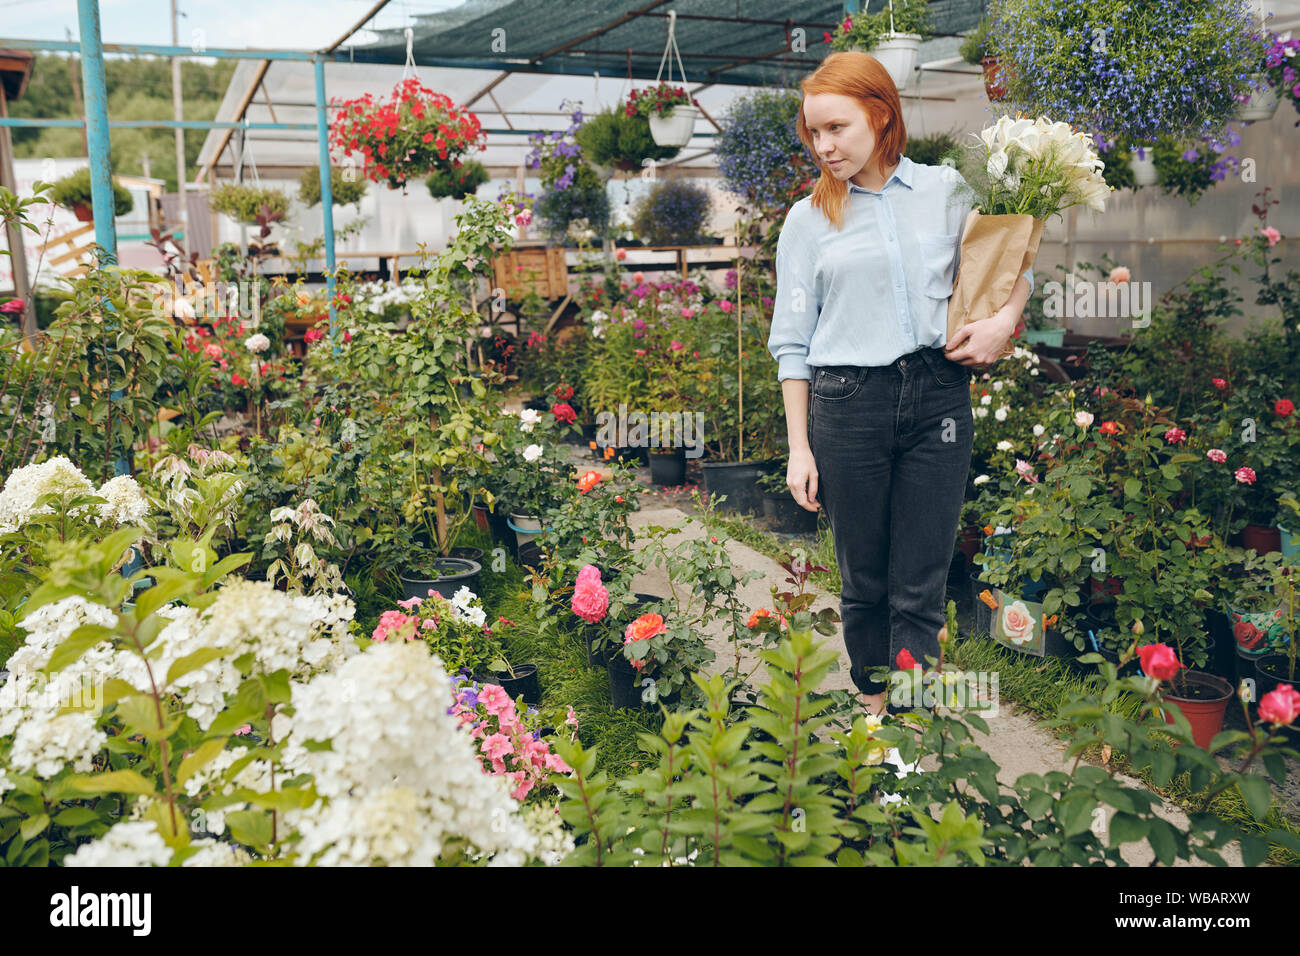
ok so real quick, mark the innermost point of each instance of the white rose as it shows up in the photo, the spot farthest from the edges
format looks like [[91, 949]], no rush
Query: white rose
[[257, 343], [532, 452]]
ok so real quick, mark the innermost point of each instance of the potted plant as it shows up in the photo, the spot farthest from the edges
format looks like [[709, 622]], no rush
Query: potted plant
[[893, 36], [976, 49], [1142, 161], [1257, 611], [457, 183], [1279, 666], [1165, 67], [760, 156], [346, 187], [1279, 68], [73, 192], [614, 139], [410, 133], [672, 112], [672, 213], [1260, 102], [246, 202]]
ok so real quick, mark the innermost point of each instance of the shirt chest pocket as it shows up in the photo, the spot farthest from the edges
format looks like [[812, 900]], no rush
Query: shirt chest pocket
[[938, 263]]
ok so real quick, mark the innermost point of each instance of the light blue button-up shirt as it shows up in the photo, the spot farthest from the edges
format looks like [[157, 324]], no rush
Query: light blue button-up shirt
[[878, 288]]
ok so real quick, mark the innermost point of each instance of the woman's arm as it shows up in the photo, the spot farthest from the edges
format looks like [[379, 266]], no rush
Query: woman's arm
[[982, 342], [801, 475]]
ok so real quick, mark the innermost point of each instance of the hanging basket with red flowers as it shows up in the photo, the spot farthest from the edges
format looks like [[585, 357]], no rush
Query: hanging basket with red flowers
[[407, 135]]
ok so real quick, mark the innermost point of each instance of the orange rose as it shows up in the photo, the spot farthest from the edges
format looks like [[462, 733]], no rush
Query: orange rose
[[644, 627], [588, 481]]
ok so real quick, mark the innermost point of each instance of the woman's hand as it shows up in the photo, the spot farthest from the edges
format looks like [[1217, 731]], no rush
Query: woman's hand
[[801, 477], [982, 342]]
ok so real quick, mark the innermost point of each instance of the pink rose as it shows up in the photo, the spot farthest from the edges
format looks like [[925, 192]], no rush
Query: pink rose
[[1280, 706], [1272, 235], [1159, 661], [1245, 475], [1119, 275], [1017, 623], [1175, 435], [1217, 455]]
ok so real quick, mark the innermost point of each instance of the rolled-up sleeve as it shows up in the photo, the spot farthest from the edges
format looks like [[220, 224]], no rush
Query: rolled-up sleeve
[[1029, 274], [794, 315]]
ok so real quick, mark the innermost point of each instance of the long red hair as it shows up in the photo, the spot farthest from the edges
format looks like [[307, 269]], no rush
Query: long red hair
[[860, 76]]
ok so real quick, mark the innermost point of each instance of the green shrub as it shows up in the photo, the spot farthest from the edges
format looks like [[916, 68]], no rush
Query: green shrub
[[612, 138], [345, 191], [243, 202], [74, 190], [459, 183], [673, 213]]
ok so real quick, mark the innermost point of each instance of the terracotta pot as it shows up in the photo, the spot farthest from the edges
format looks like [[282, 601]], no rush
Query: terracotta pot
[[995, 77], [1204, 713], [1264, 540], [83, 212]]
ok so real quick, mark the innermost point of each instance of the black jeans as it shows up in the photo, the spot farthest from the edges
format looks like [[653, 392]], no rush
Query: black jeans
[[892, 445]]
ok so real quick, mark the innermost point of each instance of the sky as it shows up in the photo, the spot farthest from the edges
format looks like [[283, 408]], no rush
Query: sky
[[280, 24]]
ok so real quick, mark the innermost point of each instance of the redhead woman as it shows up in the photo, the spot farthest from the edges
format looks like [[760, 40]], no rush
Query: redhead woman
[[877, 403]]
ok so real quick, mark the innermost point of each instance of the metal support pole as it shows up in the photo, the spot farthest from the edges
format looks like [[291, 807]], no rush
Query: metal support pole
[[92, 77], [326, 195]]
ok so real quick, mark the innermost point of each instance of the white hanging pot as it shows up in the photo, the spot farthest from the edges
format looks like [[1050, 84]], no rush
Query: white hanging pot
[[897, 54], [1262, 103], [676, 127], [1144, 170]]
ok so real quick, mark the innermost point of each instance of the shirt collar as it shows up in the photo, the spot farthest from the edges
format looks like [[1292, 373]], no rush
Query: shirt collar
[[903, 174]]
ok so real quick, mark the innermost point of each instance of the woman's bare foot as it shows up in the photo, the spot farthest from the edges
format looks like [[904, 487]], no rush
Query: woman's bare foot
[[875, 704]]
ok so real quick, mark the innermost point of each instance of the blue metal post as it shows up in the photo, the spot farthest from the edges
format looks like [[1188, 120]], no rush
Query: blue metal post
[[101, 191], [92, 79], [326, 195]]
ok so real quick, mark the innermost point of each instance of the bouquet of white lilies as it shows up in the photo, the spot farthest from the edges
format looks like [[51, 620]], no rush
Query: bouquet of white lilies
[[1019, 174], [1034, 167]]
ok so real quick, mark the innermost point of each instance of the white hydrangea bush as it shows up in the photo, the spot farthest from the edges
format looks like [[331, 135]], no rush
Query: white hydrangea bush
[[126, 503], [396, 781]]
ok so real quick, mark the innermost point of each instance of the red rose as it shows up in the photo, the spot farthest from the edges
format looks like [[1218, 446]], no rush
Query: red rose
[[1247, 635], [564, 412], [1284, 407], [1109, 428], [1159, 661], [906, 661]]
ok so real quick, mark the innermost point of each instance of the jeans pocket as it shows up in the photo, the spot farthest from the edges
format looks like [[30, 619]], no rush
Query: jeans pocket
[[835, 386], [947, 373]]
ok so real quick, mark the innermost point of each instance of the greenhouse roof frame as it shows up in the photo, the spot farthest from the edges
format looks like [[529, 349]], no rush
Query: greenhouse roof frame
[[500, 49]]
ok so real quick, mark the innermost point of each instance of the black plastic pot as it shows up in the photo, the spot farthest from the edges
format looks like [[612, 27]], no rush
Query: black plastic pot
[[667, 467], [1222, 659], [1097, 620], [786, 515], [737, 480], [530, 555], [599, 656], [453, 573], [524, 682], [469, 554]]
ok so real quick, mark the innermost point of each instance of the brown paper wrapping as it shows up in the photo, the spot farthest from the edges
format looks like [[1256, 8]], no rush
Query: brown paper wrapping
[[995, 251]]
